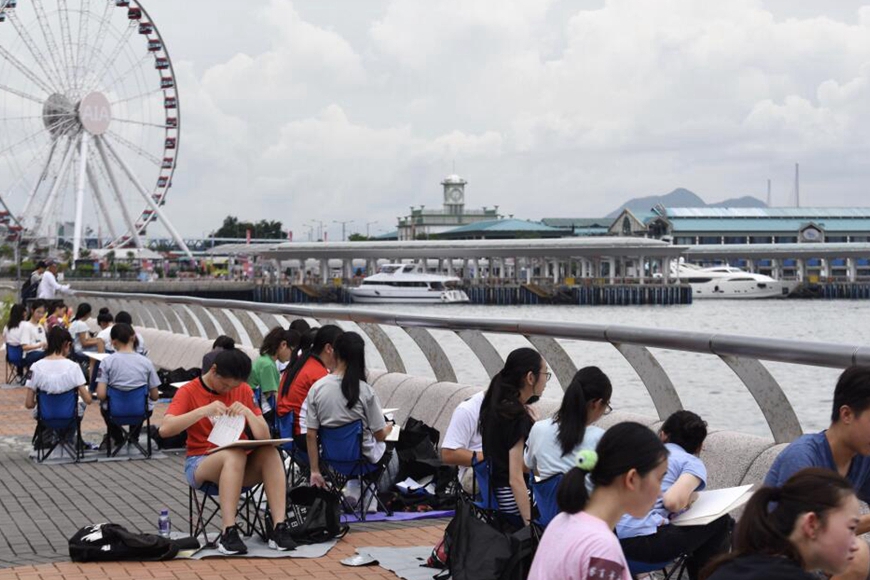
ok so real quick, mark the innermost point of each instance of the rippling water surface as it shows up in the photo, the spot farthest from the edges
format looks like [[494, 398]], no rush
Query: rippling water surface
[[705, 384]]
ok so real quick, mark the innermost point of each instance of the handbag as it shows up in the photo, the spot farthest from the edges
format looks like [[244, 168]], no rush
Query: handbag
[[314, 515]]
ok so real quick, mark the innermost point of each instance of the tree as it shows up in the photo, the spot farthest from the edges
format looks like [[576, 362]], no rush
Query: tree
[[356, 237], [234, 228]]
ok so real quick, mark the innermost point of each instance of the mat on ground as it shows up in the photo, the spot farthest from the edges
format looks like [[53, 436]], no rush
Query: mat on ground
[[257, 548], [398, 516], [403, 562]]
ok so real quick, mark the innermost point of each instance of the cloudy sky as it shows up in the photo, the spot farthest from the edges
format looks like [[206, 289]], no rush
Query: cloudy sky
[[346, 110]]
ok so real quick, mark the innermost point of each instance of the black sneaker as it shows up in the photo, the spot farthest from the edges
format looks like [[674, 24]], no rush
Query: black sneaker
[[230, 543], [281, 539]]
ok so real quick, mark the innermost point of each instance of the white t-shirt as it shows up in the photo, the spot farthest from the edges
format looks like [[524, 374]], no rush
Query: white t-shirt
[[75, 329], [463, 433], [544, 452], [31, 333], [106, 336], [12, 336], [55, 376]]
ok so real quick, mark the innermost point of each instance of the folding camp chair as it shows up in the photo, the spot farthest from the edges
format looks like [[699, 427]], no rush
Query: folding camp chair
[[485, 501], [14, 362], [204, 503], [128, 409], [57, 415], [341, 451], [299, 469], [677, 567], [544, 495]]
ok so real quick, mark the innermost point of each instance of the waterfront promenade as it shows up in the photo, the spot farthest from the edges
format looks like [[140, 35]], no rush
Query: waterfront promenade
[[41, 506]]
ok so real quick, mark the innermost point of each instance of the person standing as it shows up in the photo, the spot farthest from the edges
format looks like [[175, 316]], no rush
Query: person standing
[[49, 286]]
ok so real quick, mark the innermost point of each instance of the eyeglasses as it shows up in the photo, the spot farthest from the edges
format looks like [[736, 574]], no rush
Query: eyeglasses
[[549, 376], [608, 409]]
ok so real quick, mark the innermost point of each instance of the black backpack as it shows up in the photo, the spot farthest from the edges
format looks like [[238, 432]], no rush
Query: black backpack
[[478, 550], [114, 543], [314, 515], [28, 291]]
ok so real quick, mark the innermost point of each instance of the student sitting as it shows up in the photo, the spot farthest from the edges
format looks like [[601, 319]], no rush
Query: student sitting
[[81, 333], [55, 373], [651, 538], [844, 448], [223, 342], [627, 472], [794, 531], [554, 443], [57, 316], [462, 441], [344, 397], [313, 365], [12, 330], [505, 422], [277, 345], [124, 316], [222, 391], [33, 339], [105, 321], [125, 370]]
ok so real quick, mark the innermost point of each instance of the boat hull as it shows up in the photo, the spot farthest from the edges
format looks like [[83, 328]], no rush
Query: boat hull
[[386, 295], [739, 290]]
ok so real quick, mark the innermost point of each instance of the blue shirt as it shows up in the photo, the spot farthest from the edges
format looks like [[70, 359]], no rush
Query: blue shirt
[[813, 450], [679, 462]]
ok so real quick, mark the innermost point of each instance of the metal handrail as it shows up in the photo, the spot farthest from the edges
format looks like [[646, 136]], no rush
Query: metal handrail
[[742, 354]]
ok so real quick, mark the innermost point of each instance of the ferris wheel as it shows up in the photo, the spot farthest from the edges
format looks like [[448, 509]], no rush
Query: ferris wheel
[[89, 123]]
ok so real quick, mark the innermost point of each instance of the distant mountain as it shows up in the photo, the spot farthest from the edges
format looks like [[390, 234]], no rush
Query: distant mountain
[[681, 197]]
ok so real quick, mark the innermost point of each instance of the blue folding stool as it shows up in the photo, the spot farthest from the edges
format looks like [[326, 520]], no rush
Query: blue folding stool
[[128, 409], [14, 362], [297, 453], [544, 494], [57, 414], [341, 450], [248, 509]]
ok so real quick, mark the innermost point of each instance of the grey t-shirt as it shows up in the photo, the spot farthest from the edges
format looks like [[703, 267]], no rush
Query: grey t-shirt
[[127, 371], [327, 407]]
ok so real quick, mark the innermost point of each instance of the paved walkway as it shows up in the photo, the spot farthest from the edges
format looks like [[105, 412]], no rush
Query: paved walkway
[[41, 506]]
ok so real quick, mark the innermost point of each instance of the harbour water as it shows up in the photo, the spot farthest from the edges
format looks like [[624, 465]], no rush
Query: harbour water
[[705, 384]]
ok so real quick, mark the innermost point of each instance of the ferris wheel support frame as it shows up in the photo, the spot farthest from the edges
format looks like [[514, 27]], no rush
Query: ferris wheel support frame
[[80, 197], [117, 191], [61, 176], [147, 197], [98, 195]]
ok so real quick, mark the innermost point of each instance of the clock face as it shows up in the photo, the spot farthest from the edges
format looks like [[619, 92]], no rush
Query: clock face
[[455, 195]]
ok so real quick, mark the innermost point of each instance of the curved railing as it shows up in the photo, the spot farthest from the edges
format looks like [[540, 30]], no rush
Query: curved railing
[[742, 354]]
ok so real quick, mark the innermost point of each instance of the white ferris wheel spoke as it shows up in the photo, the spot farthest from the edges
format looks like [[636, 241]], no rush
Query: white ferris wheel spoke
[[42, 224], [22, 94], [139, 96], [22, 177], [30, 137], [84, 13], [147, 197], [50, 42], [116, 50], [131, 227], [102, 32], [25, 71], [40, 178], [101, 203], [142, 123], [66, 42], [80, 198], [135, 148], [52, 75], [126, 74]]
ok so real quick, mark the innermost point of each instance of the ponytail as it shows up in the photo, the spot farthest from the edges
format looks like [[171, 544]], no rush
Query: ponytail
[[772, 512], [623, 447], [502, 398], [589, 384], [326, 334], [350, 349]]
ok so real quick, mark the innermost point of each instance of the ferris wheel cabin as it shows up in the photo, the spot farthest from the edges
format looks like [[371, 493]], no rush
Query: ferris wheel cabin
[[170, 103], [172, 122], [161, 63], [146, 28], [155, 45], [133, 13]]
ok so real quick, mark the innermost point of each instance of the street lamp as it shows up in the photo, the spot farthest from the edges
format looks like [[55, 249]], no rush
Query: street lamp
[[343, 227], [367, 227], [319, 224]]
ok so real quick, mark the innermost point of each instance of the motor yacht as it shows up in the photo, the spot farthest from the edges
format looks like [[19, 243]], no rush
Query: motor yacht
[[405, 284], [730, 282]]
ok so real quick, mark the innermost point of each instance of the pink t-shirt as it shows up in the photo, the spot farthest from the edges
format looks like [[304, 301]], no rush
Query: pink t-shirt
[[579, 547]]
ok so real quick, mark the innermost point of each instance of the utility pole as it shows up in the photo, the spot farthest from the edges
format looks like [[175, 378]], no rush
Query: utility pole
[[768, 193], [319, 224], [368, 235], [343, 228], [797, 184]]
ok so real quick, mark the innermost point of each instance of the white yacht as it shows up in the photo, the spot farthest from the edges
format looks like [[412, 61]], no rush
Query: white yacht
[[404, 284], [730, 282]]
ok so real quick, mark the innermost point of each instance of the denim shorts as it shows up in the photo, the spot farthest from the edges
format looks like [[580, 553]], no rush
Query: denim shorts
[[190, 465]]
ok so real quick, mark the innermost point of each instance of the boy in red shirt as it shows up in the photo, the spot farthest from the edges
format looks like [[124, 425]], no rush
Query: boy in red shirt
[[221, 390]]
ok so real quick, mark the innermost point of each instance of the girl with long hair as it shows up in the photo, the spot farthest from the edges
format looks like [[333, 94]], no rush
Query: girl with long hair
[[55, 373], [505, 422], [627, 471], [343, 397], [554, 443], [278, 346], [12, 331], [789, 532]]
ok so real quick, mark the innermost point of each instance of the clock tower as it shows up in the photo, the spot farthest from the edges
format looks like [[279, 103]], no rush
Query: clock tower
[[454, 194]]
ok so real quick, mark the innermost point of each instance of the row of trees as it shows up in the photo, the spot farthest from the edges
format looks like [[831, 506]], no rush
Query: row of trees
[[263, 229]]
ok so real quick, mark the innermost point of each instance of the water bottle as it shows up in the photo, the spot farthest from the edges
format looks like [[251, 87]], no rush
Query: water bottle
[[164, 525]]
